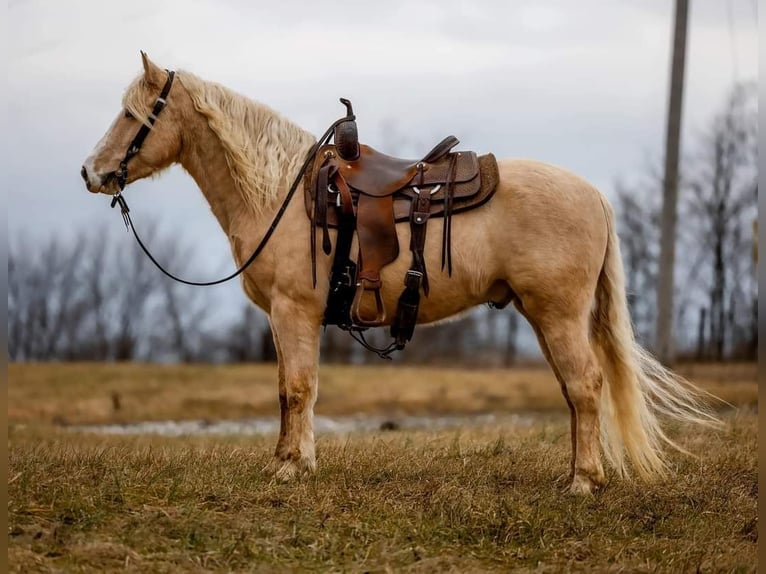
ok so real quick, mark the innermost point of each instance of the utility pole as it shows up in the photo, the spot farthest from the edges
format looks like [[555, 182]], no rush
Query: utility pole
[[665, 346]]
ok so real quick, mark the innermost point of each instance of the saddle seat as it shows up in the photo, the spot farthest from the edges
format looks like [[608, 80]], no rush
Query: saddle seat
[[378, 175]]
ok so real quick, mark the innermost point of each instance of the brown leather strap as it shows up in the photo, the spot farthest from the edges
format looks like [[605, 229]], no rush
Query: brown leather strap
[[421, 211], [376, 229], [449, 193], [320, 218], [347, 201], [326, 245], [378, 246]]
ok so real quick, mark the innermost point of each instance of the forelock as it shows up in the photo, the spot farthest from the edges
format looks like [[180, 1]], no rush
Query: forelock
[[135, 100]]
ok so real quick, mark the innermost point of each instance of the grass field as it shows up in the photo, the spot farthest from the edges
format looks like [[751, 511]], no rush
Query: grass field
[[472, 499]]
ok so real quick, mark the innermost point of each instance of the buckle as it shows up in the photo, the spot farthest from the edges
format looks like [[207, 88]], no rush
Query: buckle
[[413, 279], [434, 190], [331, 190]]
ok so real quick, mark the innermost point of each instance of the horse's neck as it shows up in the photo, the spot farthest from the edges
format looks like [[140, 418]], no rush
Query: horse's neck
[[203, 157]]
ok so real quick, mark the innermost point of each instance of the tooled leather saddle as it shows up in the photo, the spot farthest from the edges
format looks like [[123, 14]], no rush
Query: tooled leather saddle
[[358, 190]]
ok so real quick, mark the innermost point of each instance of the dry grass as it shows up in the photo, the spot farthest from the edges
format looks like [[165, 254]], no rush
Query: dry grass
[[481, 499], [478, 499], [82, 393]]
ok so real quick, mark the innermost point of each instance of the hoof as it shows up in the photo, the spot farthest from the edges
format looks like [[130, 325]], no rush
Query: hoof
[[583, 485], [288, 470], [272, 466]]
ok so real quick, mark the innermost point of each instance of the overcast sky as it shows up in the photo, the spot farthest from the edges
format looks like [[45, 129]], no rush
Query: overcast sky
[[580, 84]]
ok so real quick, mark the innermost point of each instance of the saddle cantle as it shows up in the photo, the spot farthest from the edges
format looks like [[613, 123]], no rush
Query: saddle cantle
[[356, 189]]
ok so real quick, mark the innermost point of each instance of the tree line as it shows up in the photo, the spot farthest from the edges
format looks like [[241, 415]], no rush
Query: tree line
[[716, 285], [98, 298]]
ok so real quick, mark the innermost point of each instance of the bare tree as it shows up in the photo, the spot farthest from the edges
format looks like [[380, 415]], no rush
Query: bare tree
[[46, 307], [723, 201], [715, 289], [639, 227], [96, 298], [183, 310]]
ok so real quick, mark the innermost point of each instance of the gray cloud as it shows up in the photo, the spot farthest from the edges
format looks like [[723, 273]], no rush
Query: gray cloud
[[578, 84]]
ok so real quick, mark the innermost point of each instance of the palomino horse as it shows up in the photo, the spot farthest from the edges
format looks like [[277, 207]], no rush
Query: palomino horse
[[546, 242]]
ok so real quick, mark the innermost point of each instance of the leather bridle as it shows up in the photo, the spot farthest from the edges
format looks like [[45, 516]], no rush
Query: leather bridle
[[135, 146]]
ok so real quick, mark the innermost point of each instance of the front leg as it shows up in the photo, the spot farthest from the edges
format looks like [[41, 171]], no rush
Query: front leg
[[280, 454], [296, 335]]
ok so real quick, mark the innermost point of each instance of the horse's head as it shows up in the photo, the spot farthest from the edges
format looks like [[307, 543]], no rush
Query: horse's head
[[162, 146]]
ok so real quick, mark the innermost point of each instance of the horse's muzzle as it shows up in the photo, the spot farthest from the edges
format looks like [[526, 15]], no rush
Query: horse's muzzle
[[99, 184], [92, 181]]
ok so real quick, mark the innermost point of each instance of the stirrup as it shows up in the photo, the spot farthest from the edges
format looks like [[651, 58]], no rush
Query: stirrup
[[380, 315]]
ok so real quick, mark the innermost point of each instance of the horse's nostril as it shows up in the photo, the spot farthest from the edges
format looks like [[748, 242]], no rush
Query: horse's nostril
[[84, 173]]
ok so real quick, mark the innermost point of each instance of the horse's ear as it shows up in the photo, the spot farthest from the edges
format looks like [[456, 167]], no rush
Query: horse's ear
[[153, 74]]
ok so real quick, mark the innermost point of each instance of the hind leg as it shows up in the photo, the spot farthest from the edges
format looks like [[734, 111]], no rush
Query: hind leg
[[565, 328], [547, 354], [570, 350]]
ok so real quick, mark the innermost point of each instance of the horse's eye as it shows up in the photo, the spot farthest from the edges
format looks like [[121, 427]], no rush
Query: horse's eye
[[128, 115]]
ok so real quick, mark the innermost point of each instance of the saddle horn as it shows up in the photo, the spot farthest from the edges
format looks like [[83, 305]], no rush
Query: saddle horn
[[346, 135]]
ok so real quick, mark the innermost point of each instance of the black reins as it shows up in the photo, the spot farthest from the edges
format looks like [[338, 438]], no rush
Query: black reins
[[135, 147]]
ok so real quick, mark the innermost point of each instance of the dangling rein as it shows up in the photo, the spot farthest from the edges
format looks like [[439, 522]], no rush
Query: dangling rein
[[135, 146]]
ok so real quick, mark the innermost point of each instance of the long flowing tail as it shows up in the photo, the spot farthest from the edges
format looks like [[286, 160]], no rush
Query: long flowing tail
[[638, 390]]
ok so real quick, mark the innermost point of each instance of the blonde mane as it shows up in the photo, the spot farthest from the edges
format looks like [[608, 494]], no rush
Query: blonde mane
[[263, 149]]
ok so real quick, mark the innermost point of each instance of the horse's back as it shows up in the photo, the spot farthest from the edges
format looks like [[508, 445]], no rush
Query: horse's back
[[537, 184], [554, 226]]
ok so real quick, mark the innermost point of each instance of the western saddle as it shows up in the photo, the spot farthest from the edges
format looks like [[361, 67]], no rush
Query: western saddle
[[356, 189]]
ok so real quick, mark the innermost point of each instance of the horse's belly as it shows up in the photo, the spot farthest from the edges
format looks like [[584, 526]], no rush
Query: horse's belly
[[471, 283]]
